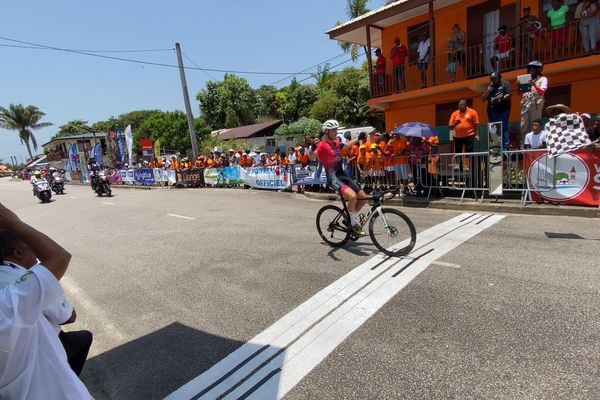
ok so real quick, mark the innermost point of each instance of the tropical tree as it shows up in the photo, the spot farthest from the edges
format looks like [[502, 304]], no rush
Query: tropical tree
[[323, 76], [23, 120], [300, 130], [171, 129], [229, 103], [74, 127], [354, 9]]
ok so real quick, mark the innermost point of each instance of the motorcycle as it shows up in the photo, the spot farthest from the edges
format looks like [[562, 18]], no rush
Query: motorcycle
[[57, 184], [41, 189], [102, 185]]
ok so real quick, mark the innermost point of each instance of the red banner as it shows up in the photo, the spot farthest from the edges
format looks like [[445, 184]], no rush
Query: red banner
[[572, 178]]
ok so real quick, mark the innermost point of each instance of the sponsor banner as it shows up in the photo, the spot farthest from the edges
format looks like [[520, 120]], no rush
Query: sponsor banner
[[191, 176], [274, 178], [572, 178], [223, 176], [144, 176], [160, 175], [127, 175], [307, 176]]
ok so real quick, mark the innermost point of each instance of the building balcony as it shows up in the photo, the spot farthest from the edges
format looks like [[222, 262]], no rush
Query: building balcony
[[476, 61]]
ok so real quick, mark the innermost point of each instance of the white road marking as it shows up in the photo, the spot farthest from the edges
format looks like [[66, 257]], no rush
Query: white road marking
[[109, 330], [180, 216], [108, 203], [446, 264], [272, 363]]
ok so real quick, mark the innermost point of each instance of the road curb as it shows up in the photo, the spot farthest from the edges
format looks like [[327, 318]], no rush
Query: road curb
[[502, 206], [123, 186]]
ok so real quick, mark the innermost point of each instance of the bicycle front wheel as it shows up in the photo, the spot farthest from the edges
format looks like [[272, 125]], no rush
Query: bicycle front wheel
[[333, 225], [392, 232]]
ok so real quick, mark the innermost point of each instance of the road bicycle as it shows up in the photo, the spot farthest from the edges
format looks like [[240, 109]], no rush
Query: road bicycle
[[391, 231]]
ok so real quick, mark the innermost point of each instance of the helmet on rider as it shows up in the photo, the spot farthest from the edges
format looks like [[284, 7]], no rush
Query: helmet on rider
[[535, 64], [330, 124], [37, 173]]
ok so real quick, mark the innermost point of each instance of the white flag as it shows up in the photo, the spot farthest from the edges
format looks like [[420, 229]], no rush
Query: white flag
[[129, 141]]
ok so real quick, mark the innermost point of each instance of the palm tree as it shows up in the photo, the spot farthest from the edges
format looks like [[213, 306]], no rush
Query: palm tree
[[323, 77], [354, 9], [24, 120]]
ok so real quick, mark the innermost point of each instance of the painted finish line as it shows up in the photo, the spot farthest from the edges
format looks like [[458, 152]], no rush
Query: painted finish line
[[273, 362]]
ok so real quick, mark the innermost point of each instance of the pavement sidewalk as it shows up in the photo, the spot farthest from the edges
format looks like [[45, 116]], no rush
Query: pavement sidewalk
[[487, 205]]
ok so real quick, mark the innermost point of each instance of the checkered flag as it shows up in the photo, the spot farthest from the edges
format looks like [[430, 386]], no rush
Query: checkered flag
[[566, 134]]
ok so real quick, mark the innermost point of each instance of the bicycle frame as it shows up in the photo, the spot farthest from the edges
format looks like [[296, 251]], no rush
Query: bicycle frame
[[375, 208]]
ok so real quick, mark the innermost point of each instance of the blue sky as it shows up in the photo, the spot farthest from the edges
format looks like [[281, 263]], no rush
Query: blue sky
[[250, 35]]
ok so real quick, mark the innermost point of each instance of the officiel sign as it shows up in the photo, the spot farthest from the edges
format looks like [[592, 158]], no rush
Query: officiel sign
[[572, 178]]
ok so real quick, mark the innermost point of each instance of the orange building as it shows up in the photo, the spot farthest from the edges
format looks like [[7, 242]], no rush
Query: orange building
[[573, 75]]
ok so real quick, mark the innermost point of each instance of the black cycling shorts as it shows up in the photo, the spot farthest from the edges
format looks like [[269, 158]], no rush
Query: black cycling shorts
[[339, 181]]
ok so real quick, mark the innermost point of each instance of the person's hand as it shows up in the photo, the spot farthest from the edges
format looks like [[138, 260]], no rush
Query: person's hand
[[8, 218], [477, 137]]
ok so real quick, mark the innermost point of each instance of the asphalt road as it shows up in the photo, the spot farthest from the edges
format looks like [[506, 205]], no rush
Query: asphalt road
[[173, 281]]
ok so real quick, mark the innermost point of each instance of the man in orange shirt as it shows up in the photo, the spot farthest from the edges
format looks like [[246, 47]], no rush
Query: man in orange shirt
[[465, 122], [397, 147], [376, 165], [303, 157], [174, 163]]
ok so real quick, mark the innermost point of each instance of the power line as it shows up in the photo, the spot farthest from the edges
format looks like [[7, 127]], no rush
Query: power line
[[194, 62], [85, 53], [336, 65], [90, 51], [313, 66]]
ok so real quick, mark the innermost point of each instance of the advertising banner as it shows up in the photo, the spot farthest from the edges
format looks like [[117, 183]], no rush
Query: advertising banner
[[144, 176], [307, 176], [223, 176], [127, 175], [572, 178], [160, 175], [147, 146], [274, 178], [194, 177]]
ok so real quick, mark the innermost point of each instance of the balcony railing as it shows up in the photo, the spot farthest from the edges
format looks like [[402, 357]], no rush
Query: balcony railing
[[476, 61]]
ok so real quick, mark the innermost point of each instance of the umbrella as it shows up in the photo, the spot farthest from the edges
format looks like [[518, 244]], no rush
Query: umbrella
[[416, 129]]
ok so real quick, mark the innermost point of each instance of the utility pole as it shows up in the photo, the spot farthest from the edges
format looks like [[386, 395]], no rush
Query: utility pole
[[188, 107]]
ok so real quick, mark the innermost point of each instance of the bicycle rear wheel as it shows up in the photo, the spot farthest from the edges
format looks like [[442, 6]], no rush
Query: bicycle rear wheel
[[333, 225], [394, 234]]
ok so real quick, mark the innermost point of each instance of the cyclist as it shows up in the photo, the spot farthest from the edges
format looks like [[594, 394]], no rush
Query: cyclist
[[328, 152]]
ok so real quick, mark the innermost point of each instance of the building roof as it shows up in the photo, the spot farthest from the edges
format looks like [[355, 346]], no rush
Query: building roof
[[99, 135], [244, 132], [354, 31]]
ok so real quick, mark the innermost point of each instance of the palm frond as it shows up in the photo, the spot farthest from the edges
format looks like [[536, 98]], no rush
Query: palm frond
[[41, 125]]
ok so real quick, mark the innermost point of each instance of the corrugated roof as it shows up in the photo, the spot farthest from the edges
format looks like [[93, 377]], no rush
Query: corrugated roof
[[99, 135], [243, 132]]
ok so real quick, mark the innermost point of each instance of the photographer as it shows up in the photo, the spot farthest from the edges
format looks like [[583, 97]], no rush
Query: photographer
[[498, 97], [33, 363]]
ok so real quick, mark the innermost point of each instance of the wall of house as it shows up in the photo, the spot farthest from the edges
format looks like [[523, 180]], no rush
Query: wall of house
[[581, 74]]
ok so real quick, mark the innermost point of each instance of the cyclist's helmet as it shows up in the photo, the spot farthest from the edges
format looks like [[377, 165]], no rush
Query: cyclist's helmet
[[37, 173], [330, 124], [535, 64]]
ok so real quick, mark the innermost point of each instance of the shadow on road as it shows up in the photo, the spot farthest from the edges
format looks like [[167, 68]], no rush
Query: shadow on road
[[155, 365]]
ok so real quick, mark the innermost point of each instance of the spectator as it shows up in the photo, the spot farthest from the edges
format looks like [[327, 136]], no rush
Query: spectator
[[558, 16], [276, 157], [503, 47], [363, 162], [292, 156], [532, 102], [498, 96], [399, 54], [529, 27], [380, 68], [417, 150], [557, 109], [456, 47], [536, 139], [33, 363], [423, 55], [303, 158], [166, 163], [245, 161], [200, 162], [465, 123], [397, 147], [174, 163], [587, 13], [376, 165], [18, 258]]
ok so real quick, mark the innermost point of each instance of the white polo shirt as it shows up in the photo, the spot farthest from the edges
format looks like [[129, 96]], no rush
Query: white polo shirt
[[56, 313], [33, 362]]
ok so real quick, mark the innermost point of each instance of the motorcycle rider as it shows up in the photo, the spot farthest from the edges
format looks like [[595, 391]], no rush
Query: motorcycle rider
[[37, 176], [94, 170]]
